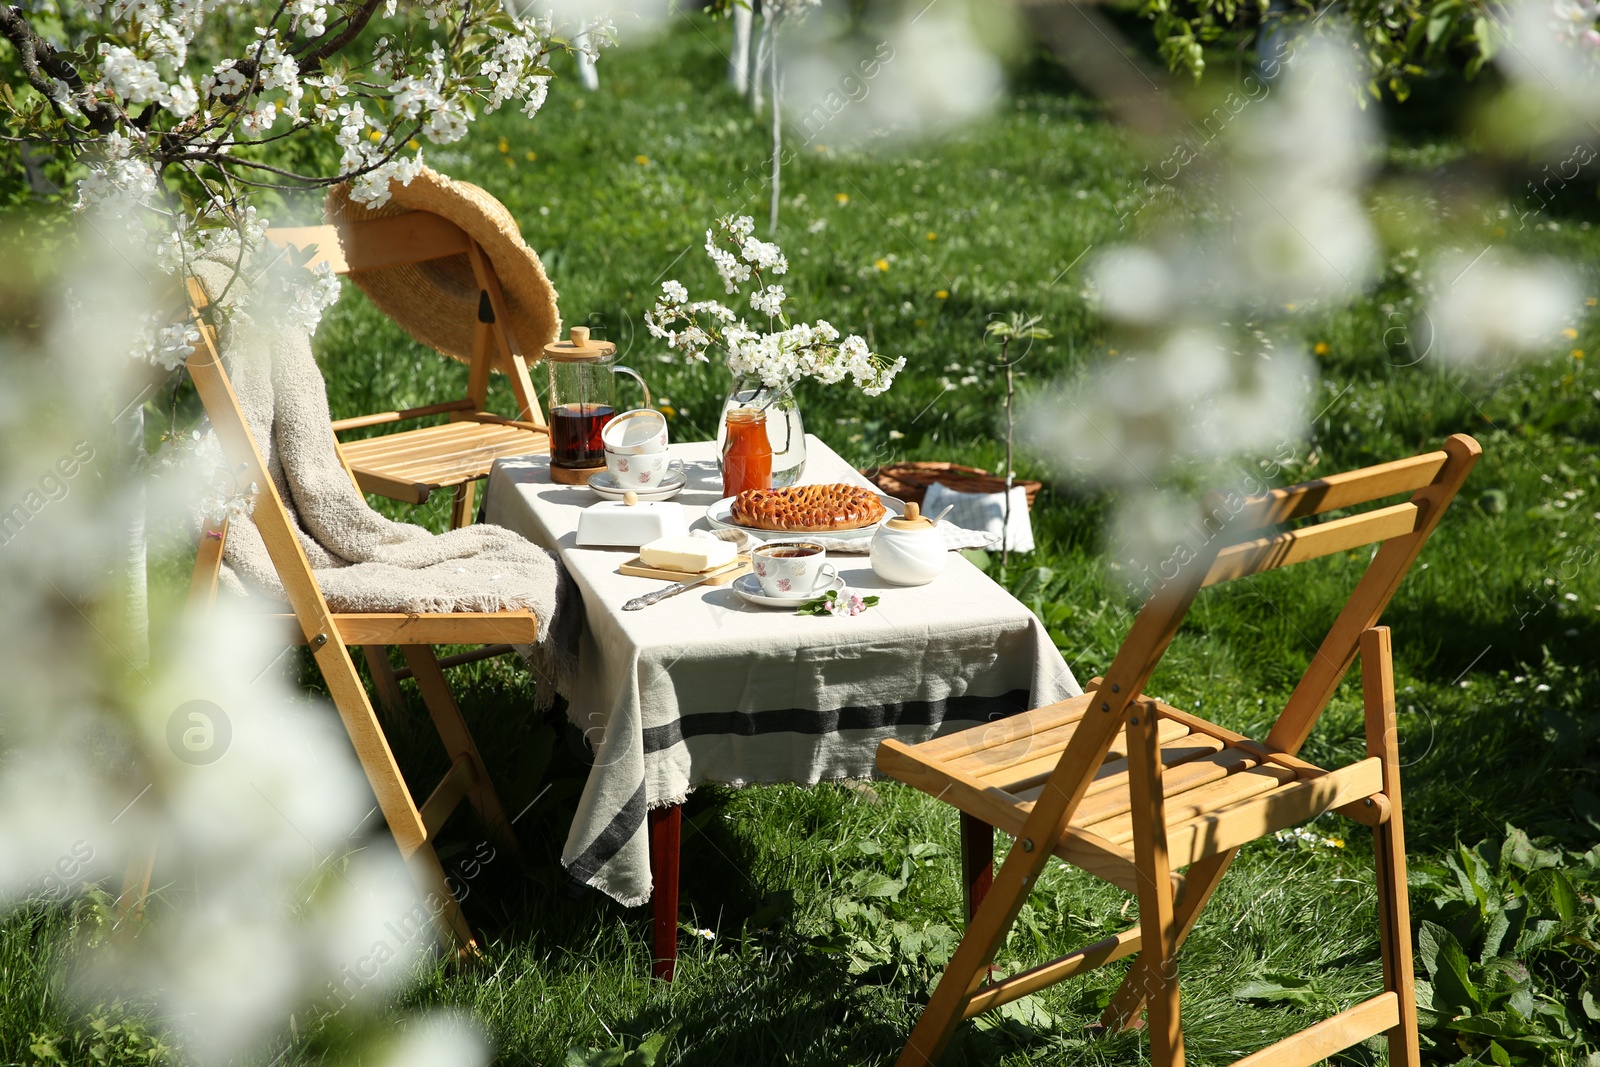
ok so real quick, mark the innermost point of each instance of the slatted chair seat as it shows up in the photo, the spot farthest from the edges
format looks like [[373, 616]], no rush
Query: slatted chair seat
[[411, 464], [1221, 789]]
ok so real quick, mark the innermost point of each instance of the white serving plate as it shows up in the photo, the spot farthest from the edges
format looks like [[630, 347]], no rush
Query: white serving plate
[[720, 516], [606, 487], [749, 587]]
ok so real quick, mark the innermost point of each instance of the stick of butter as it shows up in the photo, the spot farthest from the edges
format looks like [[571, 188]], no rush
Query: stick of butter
[[691, 554]]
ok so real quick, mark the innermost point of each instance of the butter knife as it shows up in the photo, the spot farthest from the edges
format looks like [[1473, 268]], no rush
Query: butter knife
[[661, 594]]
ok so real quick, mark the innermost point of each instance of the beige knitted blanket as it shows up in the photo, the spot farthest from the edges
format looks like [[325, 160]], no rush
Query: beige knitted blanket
[[363, 561]]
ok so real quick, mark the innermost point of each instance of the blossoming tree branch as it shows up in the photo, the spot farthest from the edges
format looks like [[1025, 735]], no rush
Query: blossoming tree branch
[[172, 112]]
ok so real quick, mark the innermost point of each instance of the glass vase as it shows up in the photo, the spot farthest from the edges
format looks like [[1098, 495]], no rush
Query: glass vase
[[785, 430]]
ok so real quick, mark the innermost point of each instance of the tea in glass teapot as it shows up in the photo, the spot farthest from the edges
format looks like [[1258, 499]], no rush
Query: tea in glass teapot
[[582, 400]]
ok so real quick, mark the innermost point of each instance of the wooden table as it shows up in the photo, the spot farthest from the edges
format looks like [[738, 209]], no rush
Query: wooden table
[[704, 688]]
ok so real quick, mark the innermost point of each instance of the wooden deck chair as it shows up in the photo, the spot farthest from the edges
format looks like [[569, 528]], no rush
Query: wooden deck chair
[[1135, 791], [412, 464], [329, 635]]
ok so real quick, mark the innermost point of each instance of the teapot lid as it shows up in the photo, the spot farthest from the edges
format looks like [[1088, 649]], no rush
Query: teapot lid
[[913, 519], [579, 348]]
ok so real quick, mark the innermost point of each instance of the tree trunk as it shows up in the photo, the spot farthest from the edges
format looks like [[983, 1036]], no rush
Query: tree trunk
[[133, 587], [777, 129], [739, 65]]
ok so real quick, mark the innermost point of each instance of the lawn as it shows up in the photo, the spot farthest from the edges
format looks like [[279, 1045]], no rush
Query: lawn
[[809, 937]]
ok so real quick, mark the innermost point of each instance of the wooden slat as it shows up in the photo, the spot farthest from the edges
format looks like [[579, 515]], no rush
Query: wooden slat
[[1029, 772], [1009, 729], [1338, 491], [394, 489], [1202, 801], [1317, 1043], [382, 417], [1238, 824], [1153, 858], [439, 628], [1310, 542], [1389, 851], [324, 238], [207, 565], [1176, 780], [1106, 950], [456, 660], [425, 441], [447, 795], [1112, 777], [993, 806]]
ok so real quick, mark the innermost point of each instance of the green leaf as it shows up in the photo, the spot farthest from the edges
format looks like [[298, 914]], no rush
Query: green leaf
[[1564, 897], [1499, 1055], [1447, 966], [877, 884], [1284, 987]]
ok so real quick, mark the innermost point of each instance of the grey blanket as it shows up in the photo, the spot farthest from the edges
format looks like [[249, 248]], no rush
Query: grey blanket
[[363, 561]]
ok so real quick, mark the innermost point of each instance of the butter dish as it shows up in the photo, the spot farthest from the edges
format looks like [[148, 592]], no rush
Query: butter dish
[[618, 523]]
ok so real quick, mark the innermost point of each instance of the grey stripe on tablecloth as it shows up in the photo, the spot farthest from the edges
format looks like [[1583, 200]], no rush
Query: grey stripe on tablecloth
[[964, 709], [617, 833]]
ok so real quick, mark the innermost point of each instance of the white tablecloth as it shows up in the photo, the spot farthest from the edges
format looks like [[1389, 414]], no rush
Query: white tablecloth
[[703, 687]]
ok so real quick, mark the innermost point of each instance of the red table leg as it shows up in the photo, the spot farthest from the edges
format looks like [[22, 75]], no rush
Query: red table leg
[[977, 861], [664, 826]]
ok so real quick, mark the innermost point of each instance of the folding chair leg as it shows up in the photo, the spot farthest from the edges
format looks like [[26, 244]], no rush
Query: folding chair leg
[[136, 886], [1158, 925], [458, 741], [977, 861], [461, 506], [1126, 1010], [1394, 909], [383, 679], [428, 873]]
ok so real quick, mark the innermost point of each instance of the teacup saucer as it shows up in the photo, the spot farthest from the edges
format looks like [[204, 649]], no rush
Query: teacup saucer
[[749, 587], [606, 486]]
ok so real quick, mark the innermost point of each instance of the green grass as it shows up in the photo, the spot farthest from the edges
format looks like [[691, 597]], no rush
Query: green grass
[[805, 966]]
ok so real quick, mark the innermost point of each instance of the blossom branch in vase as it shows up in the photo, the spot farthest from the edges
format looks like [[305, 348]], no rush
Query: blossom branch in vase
[[779, 356]]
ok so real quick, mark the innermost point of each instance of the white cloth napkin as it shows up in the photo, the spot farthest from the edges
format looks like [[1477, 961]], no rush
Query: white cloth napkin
[[985, 513]]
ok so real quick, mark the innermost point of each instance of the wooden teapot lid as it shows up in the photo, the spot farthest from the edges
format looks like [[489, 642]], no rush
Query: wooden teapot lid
[[913, 519], [578, 348]]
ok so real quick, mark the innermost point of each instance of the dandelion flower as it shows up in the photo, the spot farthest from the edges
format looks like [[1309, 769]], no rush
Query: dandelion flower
[[931, 236], [642, 160], [1322, 348], [1569, 333], [842, 198], [942, 294], [882, 264]]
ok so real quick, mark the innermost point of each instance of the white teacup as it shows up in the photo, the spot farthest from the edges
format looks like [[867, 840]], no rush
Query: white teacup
[[792, 568], [636, 432], [645, 470]]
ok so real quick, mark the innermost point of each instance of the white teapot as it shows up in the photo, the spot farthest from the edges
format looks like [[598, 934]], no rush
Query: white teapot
[[908, 549]]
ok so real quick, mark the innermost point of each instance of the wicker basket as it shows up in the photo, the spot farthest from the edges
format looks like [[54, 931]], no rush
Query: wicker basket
[[910, 481]]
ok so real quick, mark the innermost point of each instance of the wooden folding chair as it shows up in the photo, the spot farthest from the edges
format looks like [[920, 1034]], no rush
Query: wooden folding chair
[[329, 636], [412, 464], [1134, 790]]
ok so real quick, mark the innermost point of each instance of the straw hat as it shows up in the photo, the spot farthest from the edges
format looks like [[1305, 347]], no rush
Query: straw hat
[[437, 300]]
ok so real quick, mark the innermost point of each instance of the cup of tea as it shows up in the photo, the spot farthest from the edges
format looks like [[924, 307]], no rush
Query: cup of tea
[[645, 470], [636, 432], [792, 568]]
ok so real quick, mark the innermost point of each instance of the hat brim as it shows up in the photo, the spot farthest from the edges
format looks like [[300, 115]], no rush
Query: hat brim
[[436, 301]]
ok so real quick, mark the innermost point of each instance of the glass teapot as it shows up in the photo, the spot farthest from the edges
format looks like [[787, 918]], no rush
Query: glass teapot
[[582, 401]]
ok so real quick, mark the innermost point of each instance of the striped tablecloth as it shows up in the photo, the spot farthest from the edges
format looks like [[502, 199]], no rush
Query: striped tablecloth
[[704, 688]]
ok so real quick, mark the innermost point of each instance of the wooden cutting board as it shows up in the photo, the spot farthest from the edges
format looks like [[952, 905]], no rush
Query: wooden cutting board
[[719, 575]]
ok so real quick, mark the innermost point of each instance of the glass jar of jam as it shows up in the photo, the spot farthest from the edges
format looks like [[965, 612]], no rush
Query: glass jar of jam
[[746, 454]]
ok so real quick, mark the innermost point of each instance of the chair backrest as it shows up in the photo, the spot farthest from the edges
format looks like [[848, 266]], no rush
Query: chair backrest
[[416, 237], [1247, 535], [310, 607]]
